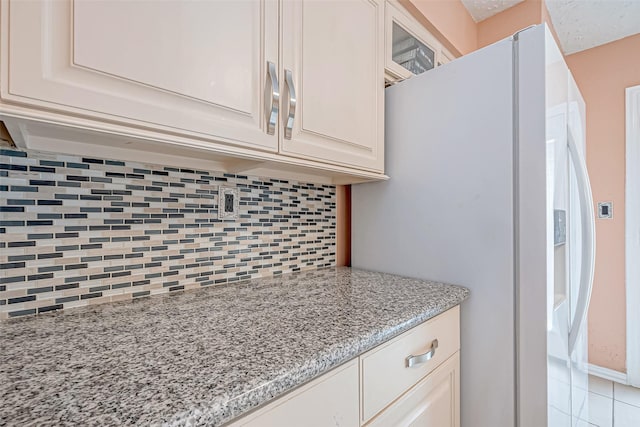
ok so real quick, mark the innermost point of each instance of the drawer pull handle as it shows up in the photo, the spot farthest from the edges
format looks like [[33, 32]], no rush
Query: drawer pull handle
[[272, 107], [421, 358]]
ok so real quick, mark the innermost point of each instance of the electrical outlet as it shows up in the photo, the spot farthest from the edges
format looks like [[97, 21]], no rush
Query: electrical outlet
[[228, 203]]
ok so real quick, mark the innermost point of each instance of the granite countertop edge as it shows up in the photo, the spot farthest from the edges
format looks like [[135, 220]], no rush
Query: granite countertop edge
[[208, 356], [301, 374]]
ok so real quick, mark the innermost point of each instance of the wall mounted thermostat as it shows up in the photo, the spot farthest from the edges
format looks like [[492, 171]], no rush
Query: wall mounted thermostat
[[605, 210], [228, 203]]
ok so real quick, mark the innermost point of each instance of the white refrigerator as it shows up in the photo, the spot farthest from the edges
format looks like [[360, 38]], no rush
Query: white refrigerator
[[489, 189]]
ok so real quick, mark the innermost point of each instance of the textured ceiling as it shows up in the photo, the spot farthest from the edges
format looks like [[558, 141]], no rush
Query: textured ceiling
[[580, 24], [583, 24], [483, 9]]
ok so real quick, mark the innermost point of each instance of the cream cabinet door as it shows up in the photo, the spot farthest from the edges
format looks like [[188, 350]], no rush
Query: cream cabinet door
[[332, 81], [195, 68], [434, 401]]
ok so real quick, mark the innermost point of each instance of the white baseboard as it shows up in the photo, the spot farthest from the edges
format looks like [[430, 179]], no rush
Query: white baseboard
[[608, 374]]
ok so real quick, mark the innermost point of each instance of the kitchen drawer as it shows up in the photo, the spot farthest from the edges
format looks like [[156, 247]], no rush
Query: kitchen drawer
[[384, 372], [434, 401]]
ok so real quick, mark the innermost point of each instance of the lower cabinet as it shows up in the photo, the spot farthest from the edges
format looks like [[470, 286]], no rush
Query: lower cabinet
[[412, 380]]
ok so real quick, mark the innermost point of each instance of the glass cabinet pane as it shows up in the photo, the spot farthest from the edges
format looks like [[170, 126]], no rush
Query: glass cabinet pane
[[409, 52]]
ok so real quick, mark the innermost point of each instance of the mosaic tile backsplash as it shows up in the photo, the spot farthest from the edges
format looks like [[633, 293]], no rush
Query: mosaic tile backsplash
[[77, 231]]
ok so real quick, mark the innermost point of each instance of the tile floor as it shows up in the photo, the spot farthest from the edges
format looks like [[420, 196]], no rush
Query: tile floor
[[612, 404]]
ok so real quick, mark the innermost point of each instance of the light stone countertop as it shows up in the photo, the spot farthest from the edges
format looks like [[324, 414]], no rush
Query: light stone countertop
[[202, 357]]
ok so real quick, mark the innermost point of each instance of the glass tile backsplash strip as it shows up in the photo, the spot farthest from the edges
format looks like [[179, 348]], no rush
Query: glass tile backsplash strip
[[76, 231]]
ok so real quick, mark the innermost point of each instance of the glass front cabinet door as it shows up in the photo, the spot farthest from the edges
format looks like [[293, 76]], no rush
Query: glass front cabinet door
[[409, 52], [409, 48]]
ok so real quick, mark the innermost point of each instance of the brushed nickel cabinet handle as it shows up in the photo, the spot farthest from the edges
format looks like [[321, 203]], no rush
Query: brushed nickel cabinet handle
[[421, 358], [272, 109], [288, 129]]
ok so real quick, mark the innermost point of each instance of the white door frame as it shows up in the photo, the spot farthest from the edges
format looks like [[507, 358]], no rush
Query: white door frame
[[632, 234]]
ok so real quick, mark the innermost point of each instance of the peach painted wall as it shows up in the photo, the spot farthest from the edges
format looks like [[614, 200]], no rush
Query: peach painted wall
[[449, 21], [506, 23], [603, 73]]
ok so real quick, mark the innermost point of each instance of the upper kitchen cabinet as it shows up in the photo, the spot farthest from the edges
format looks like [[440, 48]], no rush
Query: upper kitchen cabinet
[[332, 81], [197, 69], [409, 48], [286, 89]]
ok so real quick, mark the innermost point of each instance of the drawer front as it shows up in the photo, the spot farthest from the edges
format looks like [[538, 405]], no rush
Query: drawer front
[[434, 401], [385, 372]]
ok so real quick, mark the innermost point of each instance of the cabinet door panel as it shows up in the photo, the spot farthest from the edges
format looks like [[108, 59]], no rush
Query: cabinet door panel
[[334, 50], [200, 63], [193, 67], [434, 401]]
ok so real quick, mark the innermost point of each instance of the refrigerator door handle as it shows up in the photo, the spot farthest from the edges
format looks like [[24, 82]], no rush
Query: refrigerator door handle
[[588, 242]]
